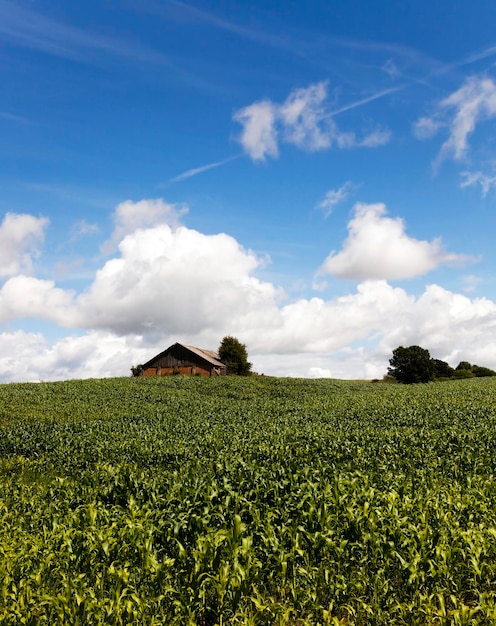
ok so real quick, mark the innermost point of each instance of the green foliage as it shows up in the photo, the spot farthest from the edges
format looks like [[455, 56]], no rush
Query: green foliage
[[208, 501], [461, 373], [234, 355], [411, 365], [475, 370], [390, 380], [481, 372], [464, 369], [136, 369], [442, 369]]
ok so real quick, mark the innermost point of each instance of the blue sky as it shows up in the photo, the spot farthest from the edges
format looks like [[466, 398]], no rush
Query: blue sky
[[318, 179]]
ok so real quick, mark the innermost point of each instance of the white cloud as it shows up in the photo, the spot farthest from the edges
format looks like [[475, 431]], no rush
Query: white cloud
[[167, 285], [259, 134], [334, 197], [180, 280], [29, 357], [20, 235], [485, 181], [83, 228], [304, 120], [426, 127], [130, 216], [29, 297], [461, 111], [377, 247], [347, 337], [375, 139]]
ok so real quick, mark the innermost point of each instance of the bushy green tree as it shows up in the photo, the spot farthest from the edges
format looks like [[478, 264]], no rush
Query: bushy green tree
[[136, 370], [480, 371], [464, 373], [234, 355], [475, 370], [411, 365], [442, 369]]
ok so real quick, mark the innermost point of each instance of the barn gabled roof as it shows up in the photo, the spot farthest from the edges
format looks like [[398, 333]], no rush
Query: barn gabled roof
[[207, 355]]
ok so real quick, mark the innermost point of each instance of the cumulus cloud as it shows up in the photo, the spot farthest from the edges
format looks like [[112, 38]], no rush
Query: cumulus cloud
[[130, 216], [30, 357], [350, 336], [377, 247], [28, 297], [334, 197], [447, 323], [168, 284], [20, 235], [303, 119], [180, 280], [473, 102]]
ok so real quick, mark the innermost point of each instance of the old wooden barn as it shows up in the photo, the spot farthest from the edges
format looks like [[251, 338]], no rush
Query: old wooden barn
[[183, 359]]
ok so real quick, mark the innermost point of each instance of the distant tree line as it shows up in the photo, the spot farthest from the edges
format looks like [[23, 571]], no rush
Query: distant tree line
[[415, 365]]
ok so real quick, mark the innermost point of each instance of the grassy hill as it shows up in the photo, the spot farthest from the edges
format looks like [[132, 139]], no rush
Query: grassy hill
[[247, 501]]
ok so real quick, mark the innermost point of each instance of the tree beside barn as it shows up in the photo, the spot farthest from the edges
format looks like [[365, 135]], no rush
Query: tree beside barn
[[234, 355]]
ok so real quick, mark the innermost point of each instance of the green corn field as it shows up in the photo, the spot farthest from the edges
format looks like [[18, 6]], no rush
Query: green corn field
[[257, 501]]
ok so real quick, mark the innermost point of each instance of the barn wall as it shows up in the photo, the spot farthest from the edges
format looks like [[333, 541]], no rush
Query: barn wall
[[168, 371], [150, 371]]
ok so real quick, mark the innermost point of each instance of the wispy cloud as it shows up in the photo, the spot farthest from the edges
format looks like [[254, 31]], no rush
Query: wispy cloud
[[83, 228], [334, 197], [378, 248], [391, 69], [28, 28], [471, 179], [303, 120], [375, 139], [470, 282], [415, 58], [13, 118], [476, 56], [426, 127], [209, 17], [473, 102], [199, 170]]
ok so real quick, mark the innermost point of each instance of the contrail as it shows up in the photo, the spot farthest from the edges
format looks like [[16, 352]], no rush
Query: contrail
[[204, 168]]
